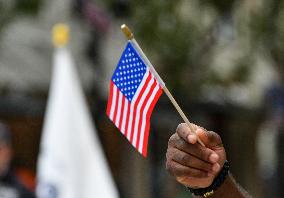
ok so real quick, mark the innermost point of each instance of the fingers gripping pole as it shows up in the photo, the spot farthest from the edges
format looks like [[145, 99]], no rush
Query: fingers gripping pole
[[181, 113]]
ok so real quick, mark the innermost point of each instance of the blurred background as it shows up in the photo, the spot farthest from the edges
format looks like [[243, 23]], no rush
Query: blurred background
[[222, 60]]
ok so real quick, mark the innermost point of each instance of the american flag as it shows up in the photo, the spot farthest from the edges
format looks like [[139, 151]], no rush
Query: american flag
[[134, 92]]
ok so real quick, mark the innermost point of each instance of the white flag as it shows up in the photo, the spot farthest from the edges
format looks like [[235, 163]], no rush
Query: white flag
[[71, 163]]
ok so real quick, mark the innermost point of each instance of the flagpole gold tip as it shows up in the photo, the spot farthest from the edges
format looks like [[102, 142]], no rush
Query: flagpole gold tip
[[127, 32], [60, 34]]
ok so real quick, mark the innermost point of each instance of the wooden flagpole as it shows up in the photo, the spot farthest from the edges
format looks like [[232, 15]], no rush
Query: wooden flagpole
[[129, 35]]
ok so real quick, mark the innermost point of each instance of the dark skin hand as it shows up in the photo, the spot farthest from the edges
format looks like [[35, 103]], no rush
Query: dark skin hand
[[197, 166], [192, 164]]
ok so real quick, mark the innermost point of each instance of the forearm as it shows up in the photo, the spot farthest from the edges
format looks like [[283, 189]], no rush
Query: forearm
[[230, 187]]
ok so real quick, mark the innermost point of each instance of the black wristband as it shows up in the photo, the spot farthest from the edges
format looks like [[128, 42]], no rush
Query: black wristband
[[218, 181]]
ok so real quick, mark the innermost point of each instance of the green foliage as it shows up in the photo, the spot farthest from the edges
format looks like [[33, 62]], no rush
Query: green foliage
[[183, 50], [28, 6], [221, 5], [179, 44], [10, 9], [168, 39]]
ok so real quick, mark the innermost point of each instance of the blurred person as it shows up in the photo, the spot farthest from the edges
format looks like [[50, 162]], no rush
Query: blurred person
[[270, 142], [203, 170], [10, 186]]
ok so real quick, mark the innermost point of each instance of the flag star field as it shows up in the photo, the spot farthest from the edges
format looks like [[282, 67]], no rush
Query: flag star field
[[129, 72]]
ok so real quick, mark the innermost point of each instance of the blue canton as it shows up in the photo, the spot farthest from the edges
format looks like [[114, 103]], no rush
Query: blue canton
[[129, 72]]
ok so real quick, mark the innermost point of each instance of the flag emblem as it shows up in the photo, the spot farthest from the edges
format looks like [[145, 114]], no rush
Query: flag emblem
[[134, 92]]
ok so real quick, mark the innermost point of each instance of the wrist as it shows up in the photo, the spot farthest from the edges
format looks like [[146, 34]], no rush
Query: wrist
[[217, 182]]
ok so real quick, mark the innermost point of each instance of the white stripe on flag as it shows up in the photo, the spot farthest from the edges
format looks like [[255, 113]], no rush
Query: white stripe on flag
[[119, 109], [130, 121], [125, 108]]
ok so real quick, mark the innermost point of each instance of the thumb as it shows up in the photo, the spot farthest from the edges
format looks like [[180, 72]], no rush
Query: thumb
[[209, 138]]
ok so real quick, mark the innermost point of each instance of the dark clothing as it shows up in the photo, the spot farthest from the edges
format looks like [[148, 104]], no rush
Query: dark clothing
[[280, 164], [10, 187], [275, 102]]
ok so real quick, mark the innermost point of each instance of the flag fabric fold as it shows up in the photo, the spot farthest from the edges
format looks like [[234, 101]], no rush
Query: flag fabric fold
[[71, 162], [134, 91]]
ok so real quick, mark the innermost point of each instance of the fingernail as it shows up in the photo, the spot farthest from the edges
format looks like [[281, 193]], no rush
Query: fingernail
[[210, 174], [216, 167], [198, 131], [213, 157], [192, 139]]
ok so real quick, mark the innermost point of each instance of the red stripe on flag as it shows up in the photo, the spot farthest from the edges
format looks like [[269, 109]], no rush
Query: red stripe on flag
[[136, 103], [141, 112], [125, 110], [122, 112], [146, 135], [109, 104], [127, 119], [116, 105]]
